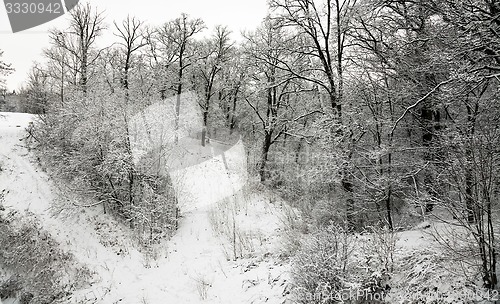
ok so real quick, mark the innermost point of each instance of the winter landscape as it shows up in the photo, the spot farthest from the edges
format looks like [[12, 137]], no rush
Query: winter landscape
[[325, 151]]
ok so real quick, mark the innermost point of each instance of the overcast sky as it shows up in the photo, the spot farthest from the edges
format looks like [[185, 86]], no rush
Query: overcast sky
[[22, 48]]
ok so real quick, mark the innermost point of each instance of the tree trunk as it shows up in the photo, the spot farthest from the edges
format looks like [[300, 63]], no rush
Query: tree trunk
[[83, 68], [204, 130], [491, 274], [426, 115], [469, 200], [348, 186], [389, 208], [264, 155], [178, 109], [469, 178], [232, 122], [179, 92]]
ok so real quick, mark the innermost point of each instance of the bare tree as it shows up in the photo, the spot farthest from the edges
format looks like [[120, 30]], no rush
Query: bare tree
[[61, 69], [215, 52], [37, 92], [5, 69], [234, 78], [325, 26], [85, 26], [177, 36], [131, 39], [266, 53]]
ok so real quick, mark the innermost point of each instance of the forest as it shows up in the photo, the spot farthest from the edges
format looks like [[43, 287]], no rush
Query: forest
[[368, 117]]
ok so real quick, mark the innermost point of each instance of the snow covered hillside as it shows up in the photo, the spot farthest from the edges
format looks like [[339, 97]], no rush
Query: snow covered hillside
[[226, 249]]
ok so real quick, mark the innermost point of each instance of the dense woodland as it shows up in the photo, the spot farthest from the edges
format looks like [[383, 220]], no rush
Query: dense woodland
[[365, 115]]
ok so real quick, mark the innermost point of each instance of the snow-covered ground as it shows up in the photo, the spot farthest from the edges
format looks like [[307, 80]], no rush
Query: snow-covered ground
[[197, 265], [227, 248]]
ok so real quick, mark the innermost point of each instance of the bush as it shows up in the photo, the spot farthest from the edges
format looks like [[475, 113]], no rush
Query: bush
[[86, 146], [334, 265], [321, 266], [44, 272], [10, 287], [26, 298], [427, 275], [379, 249], [155, 214]]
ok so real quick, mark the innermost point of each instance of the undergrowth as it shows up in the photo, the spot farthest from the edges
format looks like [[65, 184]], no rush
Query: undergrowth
[[43, 272]]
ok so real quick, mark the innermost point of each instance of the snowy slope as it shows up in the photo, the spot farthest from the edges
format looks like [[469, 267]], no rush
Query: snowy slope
[[206, 183], [195, 266]]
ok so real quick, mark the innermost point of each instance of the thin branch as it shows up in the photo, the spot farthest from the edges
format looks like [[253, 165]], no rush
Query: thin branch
[[417, 103]]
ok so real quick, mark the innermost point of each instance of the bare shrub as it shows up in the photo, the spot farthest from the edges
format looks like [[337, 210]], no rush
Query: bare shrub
[[294, 228], [202, 286], [379, 249], [322, 265], [236, 242]]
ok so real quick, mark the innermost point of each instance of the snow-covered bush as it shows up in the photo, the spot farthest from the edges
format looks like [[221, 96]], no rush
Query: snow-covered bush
[[322, 266], [155, 214], [45, 272], [424, 276], [379, 248], [334, 265], [86, 144], [10, 287]]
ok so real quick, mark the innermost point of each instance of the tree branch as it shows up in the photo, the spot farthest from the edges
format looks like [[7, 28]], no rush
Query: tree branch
[[417, 103]]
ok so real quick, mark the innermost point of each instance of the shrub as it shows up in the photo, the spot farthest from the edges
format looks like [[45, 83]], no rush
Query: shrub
[[379, 249], [86, 146], [44, 272], [26, 298], [10, 287], [427, 275], [321, 266]]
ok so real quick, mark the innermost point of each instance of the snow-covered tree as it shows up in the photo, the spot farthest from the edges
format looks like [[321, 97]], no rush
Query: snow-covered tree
[[5, 69]]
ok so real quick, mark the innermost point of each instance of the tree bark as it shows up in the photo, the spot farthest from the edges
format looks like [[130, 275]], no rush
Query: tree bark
[[264, 155], [204, 130]]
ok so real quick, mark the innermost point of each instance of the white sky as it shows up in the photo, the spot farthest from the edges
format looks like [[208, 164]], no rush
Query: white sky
[[22, 48]]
